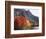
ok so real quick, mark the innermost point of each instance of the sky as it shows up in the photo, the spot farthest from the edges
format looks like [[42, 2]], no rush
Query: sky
[[35, 12]]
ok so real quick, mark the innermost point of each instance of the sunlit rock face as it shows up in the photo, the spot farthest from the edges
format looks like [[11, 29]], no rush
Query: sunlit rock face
[[22, 23]]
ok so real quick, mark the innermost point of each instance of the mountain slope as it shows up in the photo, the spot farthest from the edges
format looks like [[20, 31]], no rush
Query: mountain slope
[[27, 14]]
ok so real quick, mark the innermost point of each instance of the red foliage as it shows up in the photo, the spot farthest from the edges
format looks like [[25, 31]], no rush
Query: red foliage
[[20, 21]]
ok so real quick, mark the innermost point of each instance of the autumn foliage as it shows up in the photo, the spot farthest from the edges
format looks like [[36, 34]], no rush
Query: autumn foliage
[[22, 22]]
